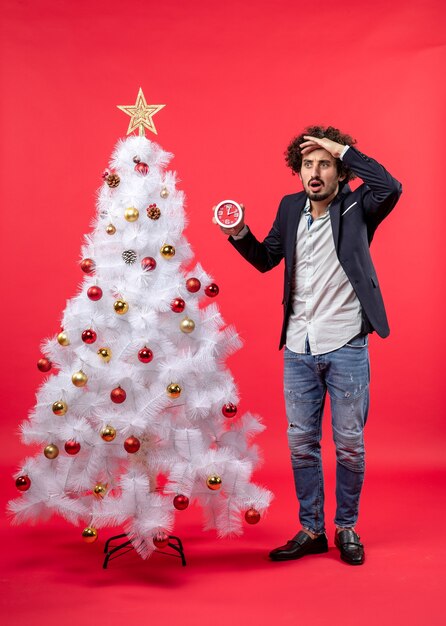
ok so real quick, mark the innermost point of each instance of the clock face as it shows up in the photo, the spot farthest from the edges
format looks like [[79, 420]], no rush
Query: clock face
[[228, 213]]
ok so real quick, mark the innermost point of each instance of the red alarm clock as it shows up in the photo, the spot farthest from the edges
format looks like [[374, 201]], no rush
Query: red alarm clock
[[228, 213]]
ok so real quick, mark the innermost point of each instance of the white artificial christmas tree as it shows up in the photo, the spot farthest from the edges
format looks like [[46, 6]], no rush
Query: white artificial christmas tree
[[140, 415]]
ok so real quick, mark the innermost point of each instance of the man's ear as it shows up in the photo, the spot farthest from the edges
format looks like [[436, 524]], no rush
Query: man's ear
[[298, 173]]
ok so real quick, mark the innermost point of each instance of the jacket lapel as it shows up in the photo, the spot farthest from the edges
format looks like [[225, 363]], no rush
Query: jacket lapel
[[335, 213], [292, 226]]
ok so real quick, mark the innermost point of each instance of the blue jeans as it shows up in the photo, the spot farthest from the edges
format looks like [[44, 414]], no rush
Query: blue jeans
[[345, 374]]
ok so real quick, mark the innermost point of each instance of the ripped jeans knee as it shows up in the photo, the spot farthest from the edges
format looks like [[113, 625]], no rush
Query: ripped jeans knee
[[350, 451], [305, 448]]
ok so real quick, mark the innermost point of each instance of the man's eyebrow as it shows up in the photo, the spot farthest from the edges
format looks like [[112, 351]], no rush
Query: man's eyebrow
[[318, 161]]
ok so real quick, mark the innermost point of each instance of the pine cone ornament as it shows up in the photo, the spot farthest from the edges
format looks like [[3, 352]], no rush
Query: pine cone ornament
[[153, 212], [129, 256], [113, 180]]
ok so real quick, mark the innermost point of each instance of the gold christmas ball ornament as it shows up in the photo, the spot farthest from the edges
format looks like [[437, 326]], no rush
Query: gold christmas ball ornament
[[105, 354], [79, 379], [121, 307], [60, 407], [167, 251], [99, 490], [89, 534], [164, 193], [110, 230], [108, 433], [131, 214], [62, 338], [51, 451], [187, 325], [173, 390], [214, 482]]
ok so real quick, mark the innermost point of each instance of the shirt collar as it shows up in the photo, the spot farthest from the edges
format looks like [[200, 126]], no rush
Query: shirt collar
[[307, 214], [307, 208]]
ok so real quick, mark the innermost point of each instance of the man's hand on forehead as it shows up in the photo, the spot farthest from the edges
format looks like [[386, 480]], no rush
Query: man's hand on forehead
[[314, 143]]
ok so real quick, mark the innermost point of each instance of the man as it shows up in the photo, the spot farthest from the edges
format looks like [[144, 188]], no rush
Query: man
[[332, 301]]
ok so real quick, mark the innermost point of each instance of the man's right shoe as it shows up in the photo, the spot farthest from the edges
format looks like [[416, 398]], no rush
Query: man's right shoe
[[299, 546], [352, 550]]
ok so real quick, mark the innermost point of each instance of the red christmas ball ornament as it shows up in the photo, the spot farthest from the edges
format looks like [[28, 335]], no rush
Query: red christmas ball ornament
[[161, 540], [229, 410], [193, 285], [89, 336], [118, 395], [178, 305], [148, 263], [252, 516], [87, 266], [181, 502], [132, 444], [211, 290], [142, 168], [94, 293], [23, 483], [72, 447], [145, 355], [44, 365]]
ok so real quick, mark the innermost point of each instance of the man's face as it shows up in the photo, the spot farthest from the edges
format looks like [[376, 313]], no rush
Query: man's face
[[319, 175]]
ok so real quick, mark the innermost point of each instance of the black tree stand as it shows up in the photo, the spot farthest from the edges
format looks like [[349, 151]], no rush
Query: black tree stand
[[112, 551]]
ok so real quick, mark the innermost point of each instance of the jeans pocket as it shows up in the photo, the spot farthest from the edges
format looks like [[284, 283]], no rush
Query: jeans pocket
[[358, 342], [289, 355]]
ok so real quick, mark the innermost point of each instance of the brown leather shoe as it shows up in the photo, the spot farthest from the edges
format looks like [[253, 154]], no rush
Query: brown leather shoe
[[352, 550], [301, 545]]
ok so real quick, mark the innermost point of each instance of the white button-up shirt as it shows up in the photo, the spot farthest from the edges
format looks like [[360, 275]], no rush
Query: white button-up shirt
[[325, 306]]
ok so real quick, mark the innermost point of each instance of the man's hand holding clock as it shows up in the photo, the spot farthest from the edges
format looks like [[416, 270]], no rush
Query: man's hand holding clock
[[230, 216]]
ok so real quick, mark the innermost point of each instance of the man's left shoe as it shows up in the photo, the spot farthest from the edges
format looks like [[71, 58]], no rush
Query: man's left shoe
[[352, 550], [301, 545]]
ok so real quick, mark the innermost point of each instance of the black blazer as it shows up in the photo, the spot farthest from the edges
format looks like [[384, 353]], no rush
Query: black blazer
[[354, 217]]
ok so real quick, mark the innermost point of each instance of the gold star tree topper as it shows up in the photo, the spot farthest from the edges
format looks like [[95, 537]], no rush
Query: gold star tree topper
[[141, 114]]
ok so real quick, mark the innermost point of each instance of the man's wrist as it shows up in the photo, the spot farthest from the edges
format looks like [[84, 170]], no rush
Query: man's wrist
[[344, 150], [241, 233]]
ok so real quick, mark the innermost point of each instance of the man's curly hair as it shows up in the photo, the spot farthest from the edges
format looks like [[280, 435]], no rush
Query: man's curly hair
[[293, 155]]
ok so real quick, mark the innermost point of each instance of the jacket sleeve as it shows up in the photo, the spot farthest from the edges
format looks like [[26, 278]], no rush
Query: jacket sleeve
[[262, 255], [380, 192]]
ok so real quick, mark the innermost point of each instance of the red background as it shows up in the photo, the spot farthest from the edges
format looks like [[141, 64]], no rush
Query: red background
[[239, 81]]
